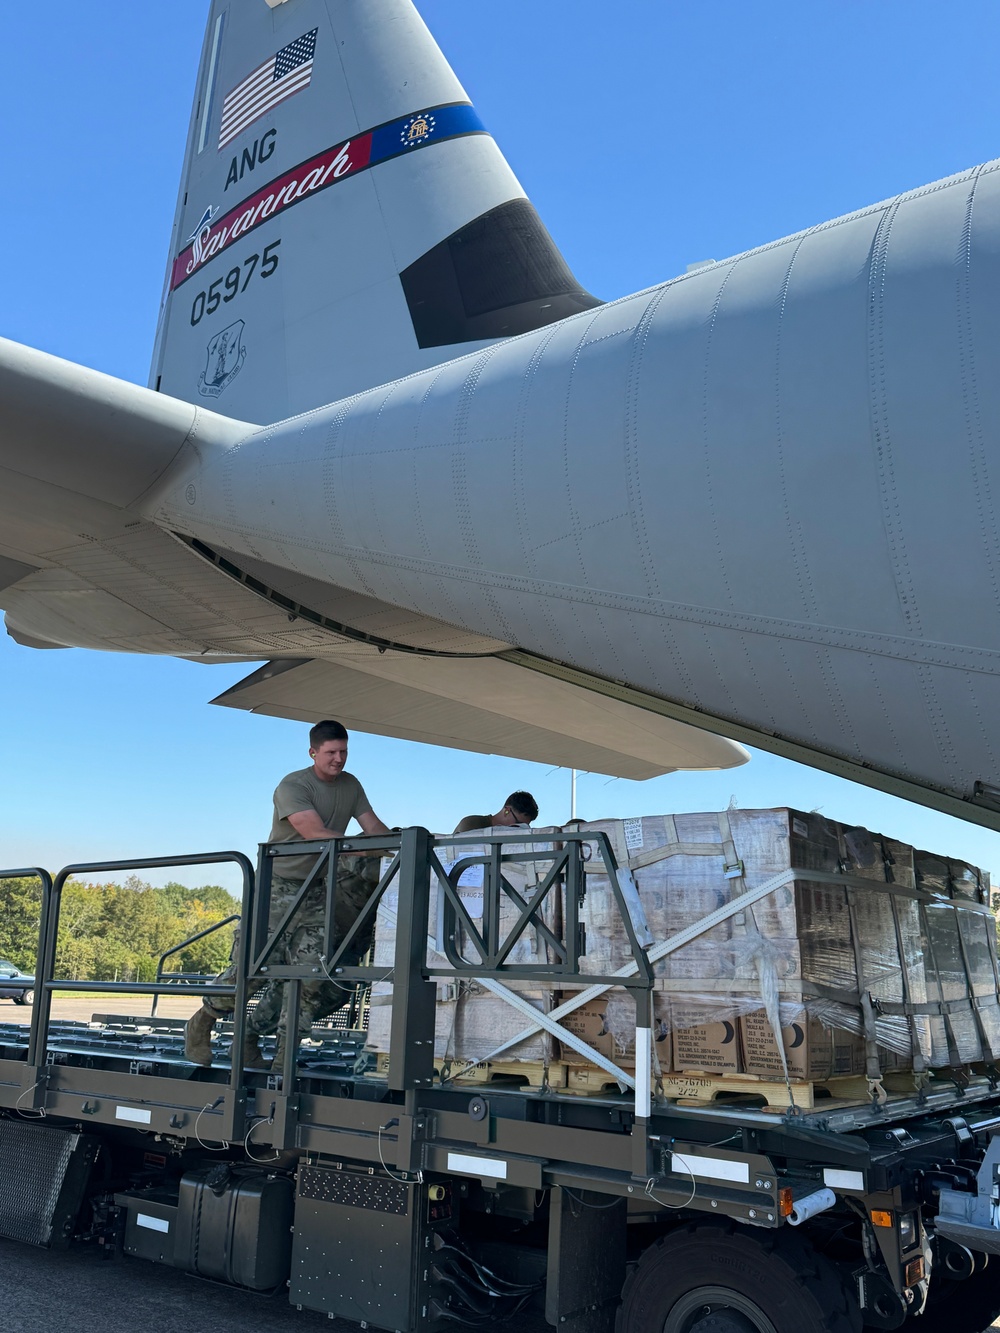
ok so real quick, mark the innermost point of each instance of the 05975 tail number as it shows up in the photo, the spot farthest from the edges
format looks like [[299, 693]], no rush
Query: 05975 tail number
[[236, 281]]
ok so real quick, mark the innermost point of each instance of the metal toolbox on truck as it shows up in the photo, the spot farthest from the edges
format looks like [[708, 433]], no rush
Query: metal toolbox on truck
[[150, 1224]]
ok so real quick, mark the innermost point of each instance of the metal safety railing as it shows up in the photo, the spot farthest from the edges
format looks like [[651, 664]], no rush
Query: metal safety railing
[[531, 888], [46, 983], [31, 872], [179, 948], [442, 939]]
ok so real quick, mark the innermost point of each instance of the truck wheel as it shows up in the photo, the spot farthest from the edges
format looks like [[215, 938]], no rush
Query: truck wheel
[[968, 1306], [707, 1278], [27, 997]]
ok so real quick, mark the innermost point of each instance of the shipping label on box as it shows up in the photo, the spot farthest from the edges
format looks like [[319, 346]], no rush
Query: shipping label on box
[[712, 1047], [588, 1023], [811, 1050]]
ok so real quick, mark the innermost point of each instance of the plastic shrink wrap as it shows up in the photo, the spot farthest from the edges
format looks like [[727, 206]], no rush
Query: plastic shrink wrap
[[470, 1021], [870, 956]]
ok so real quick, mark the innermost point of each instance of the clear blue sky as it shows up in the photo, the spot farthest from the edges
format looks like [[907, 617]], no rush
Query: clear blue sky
[[649, 134]]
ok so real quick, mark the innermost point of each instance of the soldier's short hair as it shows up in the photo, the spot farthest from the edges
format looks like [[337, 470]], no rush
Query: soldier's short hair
[[524, 804], [326, 731]]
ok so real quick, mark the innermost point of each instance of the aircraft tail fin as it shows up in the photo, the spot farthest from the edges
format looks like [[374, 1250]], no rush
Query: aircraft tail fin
[[344, 218]]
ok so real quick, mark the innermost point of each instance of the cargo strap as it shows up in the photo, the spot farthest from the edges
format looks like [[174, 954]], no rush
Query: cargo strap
[[954, 1055], [651, 856], [873, 1066], [766, 972], [894, 1008], [916, 1053], [989, 1055], [991, 940], [640, 860]]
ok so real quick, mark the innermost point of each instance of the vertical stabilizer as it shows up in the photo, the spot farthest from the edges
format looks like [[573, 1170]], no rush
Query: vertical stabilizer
[[344, 217]]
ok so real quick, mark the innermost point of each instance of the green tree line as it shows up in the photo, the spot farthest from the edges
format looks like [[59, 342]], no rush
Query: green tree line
[[117, 932]]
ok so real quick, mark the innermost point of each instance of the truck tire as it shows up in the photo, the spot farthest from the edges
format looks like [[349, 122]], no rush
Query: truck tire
[[26, 997], [708, 1278], [969, 1306]]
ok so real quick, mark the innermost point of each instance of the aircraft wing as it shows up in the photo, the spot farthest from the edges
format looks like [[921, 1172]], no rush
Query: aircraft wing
[[80, 565]]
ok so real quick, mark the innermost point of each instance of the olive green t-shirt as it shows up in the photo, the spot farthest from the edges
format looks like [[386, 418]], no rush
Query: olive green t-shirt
[[473, 822], [336, 803]]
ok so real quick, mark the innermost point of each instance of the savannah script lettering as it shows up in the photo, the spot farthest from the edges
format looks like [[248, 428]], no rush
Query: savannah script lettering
[[320, 171]]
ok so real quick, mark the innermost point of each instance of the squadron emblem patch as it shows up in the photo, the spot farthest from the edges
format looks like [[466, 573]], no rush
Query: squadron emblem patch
[[226, 354]]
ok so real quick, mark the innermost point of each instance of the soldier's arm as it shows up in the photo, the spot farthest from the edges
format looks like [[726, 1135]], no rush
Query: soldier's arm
[[371, 823], [308, 825]]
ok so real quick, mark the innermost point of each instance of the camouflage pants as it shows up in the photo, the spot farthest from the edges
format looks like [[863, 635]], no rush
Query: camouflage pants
[[357, 877]]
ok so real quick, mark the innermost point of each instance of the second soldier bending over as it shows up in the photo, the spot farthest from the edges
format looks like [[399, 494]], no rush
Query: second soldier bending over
[[520, 807]]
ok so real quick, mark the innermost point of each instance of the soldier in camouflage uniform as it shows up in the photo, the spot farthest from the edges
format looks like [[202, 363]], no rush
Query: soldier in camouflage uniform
[[357, 877], [311, 804]]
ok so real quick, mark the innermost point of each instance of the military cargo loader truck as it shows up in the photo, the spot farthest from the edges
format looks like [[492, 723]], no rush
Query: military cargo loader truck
[[395, 1192]]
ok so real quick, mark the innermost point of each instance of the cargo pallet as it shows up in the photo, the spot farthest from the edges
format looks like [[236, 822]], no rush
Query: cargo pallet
[[556, 1075], [417, 1203], [779, 1095]]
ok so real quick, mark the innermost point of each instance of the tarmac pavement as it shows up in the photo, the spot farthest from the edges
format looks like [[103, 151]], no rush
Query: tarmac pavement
[[79, 1291], [83, 1009]]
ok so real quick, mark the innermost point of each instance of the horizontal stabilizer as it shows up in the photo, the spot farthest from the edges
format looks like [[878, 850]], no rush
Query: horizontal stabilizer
[[87, 433], [486, 705]]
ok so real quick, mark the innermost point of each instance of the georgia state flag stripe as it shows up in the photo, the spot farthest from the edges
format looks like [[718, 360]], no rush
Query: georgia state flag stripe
[[396, 139]]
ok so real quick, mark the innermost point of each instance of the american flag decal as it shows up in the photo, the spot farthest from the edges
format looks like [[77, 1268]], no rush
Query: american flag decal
[[279, 77]]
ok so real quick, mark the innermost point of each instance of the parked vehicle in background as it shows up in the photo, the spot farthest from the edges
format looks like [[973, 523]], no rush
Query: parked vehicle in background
[[16, 985]]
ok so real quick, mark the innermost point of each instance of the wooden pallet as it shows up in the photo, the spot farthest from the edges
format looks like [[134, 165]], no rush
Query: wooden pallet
[[696, 1088], [534, 1073], [558, 1075], [590, 1081], [690, 1088]]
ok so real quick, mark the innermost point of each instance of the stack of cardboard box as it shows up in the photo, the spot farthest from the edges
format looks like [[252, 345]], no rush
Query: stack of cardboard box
[[857, 916], [860, 915]]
